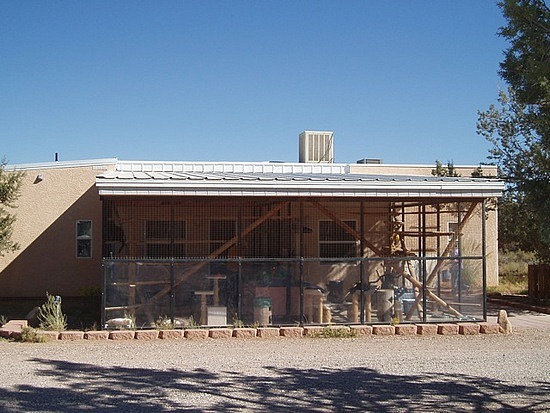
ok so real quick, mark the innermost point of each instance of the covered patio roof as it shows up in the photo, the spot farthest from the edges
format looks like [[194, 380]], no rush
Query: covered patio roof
[[281, 179]]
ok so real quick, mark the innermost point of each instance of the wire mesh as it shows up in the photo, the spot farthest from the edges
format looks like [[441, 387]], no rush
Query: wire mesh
[[219, 261]]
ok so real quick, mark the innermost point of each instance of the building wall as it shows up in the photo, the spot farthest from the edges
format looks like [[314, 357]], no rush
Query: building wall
[[393, 169], [45, 229]]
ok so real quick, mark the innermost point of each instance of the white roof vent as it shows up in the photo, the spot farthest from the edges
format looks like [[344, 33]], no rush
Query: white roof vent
[[317, 147]]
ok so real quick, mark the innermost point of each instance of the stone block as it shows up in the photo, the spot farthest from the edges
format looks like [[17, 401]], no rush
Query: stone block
[[196, 334], [121, 335], [244, 332], [5, 333], [268, 332], [468, 329], [170, 334], [361, 330], [13, 328], [447, 329], [383, 330], [312, 331], [71, 335], [426, 329], [291, 332], [221, 333], [48, 335], [405, 329], [16, 325], [96, 335], [146, 334], [489, 328]]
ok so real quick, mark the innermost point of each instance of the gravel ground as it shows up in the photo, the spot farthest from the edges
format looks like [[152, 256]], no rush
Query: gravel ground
[[382, 374]]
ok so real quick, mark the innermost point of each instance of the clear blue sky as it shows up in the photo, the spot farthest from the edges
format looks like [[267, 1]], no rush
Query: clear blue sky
[[239, 80]]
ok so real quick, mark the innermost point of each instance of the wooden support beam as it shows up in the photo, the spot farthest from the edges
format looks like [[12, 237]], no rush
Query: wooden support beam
[[347, 228], [439, 264], [430, 294], [452, 243]]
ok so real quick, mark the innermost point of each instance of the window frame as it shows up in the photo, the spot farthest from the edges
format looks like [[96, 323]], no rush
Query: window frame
[[79, 238], [335, 241]]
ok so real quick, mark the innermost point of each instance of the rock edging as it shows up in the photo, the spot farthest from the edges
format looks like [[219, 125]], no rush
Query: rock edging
[[13, 330]]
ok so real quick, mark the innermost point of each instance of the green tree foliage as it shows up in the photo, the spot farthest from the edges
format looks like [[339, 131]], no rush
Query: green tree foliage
[[10, 186], [526, 64], [441, 170], [518, 128]]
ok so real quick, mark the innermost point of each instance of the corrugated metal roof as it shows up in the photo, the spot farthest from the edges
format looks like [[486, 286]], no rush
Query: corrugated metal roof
[[266, 179]]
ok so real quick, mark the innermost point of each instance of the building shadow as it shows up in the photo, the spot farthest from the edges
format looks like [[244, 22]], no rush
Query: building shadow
[[70, 387]]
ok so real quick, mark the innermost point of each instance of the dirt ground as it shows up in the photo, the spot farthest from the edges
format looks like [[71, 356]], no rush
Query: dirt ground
[[384, 374]]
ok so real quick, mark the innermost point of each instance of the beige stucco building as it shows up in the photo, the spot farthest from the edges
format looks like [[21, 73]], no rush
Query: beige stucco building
[[94, 224]]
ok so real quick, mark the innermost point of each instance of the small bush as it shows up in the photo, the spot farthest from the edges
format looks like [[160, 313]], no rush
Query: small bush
[[29, 335], [335, 332], [191, 323], [3, 320], [50, 315], [238, 323], [514, 263], [513, 267]]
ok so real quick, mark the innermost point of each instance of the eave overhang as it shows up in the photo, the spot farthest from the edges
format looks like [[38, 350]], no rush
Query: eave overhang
[[281, 180]]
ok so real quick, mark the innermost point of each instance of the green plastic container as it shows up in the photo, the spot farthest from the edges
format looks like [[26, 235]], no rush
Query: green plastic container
[[262, 302]]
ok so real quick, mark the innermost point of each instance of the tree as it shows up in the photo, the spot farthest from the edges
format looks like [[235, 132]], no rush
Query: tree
[[526, 64], [518, 127], [441, 170], [10, 186]]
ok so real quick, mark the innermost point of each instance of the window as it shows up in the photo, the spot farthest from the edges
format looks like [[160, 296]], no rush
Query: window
[[221, 231], [165, 239], [335, 241], [84, 239]]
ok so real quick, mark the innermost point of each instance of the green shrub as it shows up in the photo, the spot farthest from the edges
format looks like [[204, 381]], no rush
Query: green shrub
[[513, 267], [29, 335], [192, 323], [50, 315], [238, 323], [335, 332], [514, 263]]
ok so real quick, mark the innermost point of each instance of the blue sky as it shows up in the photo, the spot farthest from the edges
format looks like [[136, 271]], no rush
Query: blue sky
[[399, 80]]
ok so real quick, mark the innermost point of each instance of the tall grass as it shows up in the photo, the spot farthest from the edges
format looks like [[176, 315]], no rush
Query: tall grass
[[513, 267]]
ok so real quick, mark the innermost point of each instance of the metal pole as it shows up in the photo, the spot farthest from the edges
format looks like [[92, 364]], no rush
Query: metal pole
[[301, 262], [438, 242], [484, 257], [172, 292], [302, 291], [103, 293], [459, 270], [423, 266], [239, 289], [362, 264]]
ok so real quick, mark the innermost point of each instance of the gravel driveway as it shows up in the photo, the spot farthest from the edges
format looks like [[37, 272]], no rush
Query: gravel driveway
[[382, 374]]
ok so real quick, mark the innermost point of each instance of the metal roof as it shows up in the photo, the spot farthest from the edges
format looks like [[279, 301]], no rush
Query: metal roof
[[62, 164], [281, 179]]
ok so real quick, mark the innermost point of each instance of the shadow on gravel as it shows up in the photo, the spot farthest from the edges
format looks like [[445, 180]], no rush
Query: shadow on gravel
[[78, 387]]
